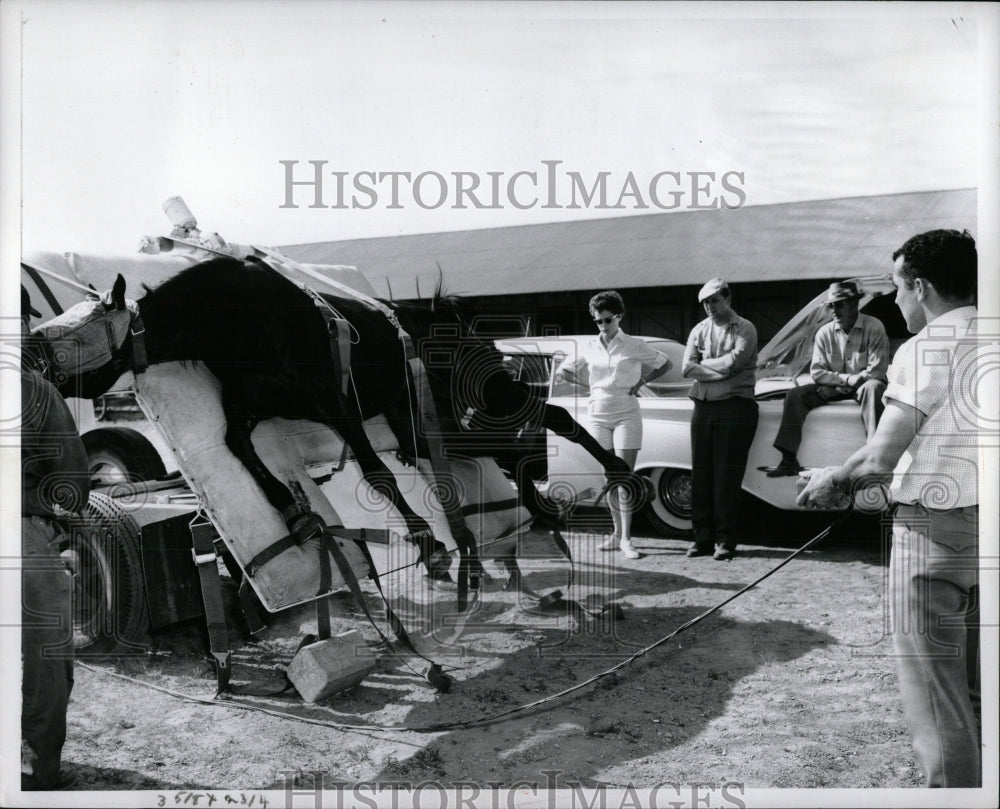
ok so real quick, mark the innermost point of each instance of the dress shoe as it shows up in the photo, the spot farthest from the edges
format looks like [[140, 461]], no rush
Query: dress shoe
[[785, 469], [723, 554], [694, 550], [65, 780]]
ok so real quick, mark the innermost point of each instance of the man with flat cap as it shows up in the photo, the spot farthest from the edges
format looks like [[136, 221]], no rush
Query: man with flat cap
[[721, 358], [850, 359]]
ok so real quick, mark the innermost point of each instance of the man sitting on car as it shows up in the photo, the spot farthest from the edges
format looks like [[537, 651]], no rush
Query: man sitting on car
[[850, 358]]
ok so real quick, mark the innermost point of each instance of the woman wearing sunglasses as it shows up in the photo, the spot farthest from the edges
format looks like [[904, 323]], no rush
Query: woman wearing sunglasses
[[618, 366]]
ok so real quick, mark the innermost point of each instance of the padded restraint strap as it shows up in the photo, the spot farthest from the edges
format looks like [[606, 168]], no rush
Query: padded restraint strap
[[205, 559], [380, 535]]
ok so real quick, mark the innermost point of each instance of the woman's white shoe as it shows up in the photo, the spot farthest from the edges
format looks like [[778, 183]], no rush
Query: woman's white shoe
[[628, 550]]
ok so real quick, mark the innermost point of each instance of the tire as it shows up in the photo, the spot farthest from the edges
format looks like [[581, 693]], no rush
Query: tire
[[109, 593], [121, 455], [669, 511]]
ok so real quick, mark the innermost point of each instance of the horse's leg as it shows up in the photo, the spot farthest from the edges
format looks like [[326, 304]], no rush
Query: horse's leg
[[616, 471], [300, 521], [433, 554], [564, 425]]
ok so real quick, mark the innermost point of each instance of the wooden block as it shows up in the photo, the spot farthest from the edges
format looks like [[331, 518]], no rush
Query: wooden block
[[328, 667]]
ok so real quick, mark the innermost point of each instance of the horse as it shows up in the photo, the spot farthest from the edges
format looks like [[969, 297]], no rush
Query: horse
[[268, 343]]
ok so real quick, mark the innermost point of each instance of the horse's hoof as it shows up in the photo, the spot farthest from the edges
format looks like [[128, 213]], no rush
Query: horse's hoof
[[442, 583], [436, 677], [438, 563], [553, 514], [306, 527]]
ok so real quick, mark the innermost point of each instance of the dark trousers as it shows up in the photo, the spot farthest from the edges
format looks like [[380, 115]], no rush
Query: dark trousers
[[799, 401], [721, 434], [46, 648]]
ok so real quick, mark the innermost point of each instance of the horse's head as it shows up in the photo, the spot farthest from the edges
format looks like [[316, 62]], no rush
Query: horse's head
[[87, 347]]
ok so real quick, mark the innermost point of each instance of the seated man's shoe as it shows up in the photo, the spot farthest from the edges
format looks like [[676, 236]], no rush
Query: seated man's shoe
[[694, 550], [785, 469], [723, 554]]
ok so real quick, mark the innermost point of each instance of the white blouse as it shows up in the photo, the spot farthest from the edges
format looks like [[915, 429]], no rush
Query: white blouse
[[617, 367]]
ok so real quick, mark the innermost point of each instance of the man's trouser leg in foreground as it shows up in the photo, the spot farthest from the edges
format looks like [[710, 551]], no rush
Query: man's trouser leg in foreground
[[932, 572], [46, 649]]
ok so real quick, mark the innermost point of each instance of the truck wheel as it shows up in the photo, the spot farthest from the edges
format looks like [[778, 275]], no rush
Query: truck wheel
[[121, 455], [109, 594], [669, 511]]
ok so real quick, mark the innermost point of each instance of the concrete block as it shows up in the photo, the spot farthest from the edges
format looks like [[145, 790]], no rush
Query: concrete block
[[328, 667]]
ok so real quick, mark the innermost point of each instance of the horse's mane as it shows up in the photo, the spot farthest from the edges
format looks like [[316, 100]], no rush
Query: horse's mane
[[422, 315]]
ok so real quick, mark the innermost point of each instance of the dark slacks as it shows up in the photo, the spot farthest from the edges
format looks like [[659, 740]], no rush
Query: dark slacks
[[799, 401], [46, 648], [721, 434]]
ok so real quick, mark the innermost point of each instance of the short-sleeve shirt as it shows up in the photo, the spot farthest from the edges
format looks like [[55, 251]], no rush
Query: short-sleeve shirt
[[935, 372], [737, 342], [838, 354], [614, 368]]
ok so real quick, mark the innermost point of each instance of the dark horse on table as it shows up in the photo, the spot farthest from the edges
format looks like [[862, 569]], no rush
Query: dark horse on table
[[268, 343]]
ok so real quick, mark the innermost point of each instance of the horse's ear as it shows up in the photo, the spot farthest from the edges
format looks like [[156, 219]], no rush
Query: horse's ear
[[118, 292]]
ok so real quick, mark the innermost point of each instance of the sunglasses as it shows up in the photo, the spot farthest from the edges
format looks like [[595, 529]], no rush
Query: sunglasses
[[604, 320]]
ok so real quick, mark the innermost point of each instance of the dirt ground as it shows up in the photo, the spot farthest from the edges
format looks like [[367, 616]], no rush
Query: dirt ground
[[790, 685]]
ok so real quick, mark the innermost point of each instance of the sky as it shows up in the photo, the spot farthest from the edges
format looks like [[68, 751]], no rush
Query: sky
[[123, 105]]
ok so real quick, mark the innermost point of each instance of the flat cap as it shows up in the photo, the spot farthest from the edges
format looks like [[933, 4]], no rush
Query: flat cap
[[713, 286]]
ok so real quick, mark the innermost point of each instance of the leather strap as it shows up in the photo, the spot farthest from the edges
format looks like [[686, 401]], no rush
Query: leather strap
[[380, 535], [430, 428], [205, 559], [325, 587], [140, 361]]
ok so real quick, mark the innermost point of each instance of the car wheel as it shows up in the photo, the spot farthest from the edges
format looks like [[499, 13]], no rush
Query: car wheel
[[103, 550], [121, 455], [669, 511]]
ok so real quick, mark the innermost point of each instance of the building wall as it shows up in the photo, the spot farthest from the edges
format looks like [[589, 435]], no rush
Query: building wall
[[654, 312]]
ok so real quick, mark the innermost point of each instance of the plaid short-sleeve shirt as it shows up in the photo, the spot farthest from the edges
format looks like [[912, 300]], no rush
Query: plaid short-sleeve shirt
[[936, 372]]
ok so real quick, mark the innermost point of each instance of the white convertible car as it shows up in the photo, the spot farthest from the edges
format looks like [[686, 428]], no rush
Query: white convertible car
[[831, 433]]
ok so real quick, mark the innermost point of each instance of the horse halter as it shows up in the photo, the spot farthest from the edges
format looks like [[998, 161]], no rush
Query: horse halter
[[87, 336]]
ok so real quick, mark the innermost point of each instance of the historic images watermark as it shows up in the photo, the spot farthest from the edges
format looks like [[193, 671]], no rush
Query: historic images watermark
[[314, 184], [317, 790]]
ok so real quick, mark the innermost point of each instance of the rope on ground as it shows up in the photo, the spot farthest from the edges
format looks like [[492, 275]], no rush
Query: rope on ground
[[496, 716]]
